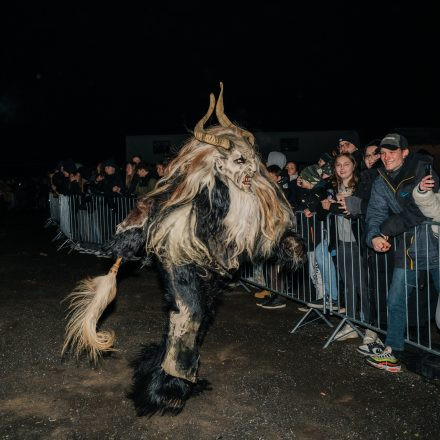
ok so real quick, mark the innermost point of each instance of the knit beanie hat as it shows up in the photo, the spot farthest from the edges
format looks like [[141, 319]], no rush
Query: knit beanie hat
[[276, 158], [109, 163], [350, 138], [311, 174], [326, 157]]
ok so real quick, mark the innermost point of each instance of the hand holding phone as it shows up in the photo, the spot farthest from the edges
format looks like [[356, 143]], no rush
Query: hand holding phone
[[428, 170], [427, 183]]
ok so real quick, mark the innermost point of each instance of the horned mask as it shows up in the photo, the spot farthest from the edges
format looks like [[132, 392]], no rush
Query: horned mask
[[203, 136]]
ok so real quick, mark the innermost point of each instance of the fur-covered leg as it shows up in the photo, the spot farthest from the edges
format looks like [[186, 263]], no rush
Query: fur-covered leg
[[166, 375], [154, 390]]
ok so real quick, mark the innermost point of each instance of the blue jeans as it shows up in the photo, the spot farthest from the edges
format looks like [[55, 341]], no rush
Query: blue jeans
[[323, 258], [397, 304]]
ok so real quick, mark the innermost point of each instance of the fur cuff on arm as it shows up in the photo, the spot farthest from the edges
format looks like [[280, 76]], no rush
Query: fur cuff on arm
[[125, 244], [291, 251]]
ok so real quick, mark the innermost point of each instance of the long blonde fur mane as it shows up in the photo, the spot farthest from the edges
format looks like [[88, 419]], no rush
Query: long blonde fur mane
[[254, 223]]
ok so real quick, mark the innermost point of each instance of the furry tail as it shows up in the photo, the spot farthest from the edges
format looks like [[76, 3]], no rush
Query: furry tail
[[87, 302]]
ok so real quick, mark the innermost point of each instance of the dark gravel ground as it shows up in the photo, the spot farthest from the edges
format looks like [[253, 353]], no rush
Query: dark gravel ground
[[266, 382]]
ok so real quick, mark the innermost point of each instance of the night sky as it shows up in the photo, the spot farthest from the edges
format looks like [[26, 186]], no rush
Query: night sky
[[75, 80]]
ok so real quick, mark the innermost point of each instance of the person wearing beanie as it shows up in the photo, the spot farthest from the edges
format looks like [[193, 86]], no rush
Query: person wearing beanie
[[109, 163], [325, 158], [309, 177], [327, 171], [349, 144]]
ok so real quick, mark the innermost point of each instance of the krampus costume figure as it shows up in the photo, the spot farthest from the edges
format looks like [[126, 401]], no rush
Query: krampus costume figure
[[214, 208]]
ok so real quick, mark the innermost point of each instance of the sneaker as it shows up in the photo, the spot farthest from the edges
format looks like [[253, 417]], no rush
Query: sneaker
[[262, 294], [275, 302], [385, 361], [347, 332], [266, 298], [371, 348], [316, 304], [336, 307]]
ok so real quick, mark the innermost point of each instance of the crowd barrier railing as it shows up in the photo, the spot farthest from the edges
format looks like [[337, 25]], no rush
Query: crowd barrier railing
[[342, 277], [86, 223], [345, 278], [54, 207]]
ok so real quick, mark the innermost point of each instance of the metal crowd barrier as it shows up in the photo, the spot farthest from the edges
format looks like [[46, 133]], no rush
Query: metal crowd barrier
[[54, 206], [351, 281], [86, 223], [346, 277]]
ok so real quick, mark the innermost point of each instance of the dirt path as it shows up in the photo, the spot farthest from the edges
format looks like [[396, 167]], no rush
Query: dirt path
[[266, 383]]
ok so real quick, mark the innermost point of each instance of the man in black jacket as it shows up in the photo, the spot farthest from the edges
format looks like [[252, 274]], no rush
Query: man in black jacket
[[113, 183]]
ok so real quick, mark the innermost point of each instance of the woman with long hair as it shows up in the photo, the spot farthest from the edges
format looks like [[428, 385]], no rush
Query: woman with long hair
[[130, 178], [352, 261]]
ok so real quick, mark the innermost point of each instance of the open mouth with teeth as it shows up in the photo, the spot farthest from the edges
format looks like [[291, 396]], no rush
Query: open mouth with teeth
[[247, 181]]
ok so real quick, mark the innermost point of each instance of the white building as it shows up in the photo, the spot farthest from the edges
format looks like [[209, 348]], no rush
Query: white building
[[302, 146]]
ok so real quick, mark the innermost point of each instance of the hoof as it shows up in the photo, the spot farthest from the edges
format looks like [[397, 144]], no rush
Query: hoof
[[156, 392]]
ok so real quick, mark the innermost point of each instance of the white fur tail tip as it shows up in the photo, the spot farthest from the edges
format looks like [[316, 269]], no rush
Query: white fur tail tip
[[87, 302]]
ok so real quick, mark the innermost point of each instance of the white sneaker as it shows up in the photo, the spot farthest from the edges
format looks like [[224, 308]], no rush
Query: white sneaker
[[369, 337], [371, 348], [345, 333]]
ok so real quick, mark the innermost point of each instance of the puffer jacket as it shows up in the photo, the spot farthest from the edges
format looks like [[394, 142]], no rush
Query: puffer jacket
[[392, 210]]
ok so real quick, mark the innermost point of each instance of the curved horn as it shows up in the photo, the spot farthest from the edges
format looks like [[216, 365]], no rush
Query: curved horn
[[201, 135], [224, 120]]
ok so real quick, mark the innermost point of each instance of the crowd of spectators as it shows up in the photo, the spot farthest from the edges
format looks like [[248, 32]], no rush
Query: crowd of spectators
[[381, 195], [108, 179]]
